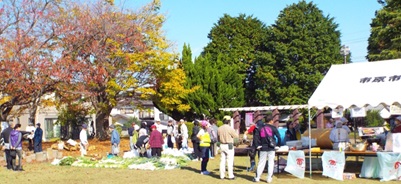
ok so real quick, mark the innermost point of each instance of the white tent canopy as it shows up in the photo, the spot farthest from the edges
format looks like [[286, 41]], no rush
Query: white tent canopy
[[265, 108], [367, 84], [359, 84]]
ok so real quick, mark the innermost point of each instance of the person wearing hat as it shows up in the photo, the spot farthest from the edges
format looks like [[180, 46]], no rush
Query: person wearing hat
[[397, 126], [204, 145], [115, 141], [37, 139], [156, 141], [226, 135], [83, 137], [31, 129], [338, 135]]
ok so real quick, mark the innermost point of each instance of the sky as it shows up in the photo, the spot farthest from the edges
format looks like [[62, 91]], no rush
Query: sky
[[190, 21]]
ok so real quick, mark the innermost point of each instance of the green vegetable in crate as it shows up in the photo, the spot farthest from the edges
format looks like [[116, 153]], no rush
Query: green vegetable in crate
[[67, 161]]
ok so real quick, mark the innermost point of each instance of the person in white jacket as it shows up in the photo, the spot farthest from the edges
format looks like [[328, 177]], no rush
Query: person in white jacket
[[83, 137], [30, 128], [184, 135]]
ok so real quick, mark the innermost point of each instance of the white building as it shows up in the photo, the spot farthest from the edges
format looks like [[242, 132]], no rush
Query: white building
[[47, 117]]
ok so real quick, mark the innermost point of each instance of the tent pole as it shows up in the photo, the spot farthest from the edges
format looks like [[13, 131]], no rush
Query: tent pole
[[310, 144], [354, 130]]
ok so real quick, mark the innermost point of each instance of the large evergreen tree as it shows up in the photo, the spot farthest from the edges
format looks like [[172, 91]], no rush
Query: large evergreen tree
[[299, 50], [238, 39], [216, 85], [385, 36]]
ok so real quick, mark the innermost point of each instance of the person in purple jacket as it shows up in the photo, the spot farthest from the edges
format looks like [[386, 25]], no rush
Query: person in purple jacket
[[16, 145], [156, 142]]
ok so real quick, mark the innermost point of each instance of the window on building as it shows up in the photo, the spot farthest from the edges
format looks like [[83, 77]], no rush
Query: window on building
[[147, 113], [52, 130], [163, 117]]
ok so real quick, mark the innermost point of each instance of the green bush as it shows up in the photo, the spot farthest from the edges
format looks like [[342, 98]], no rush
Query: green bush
[[131, 120], [373, 118], [219, 123], [190, 126], [119, 129]]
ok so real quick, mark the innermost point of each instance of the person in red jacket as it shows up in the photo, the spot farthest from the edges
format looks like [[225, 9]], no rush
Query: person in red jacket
[[156, 142]]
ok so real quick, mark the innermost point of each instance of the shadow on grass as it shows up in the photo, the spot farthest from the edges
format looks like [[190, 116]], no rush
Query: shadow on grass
[[239, 172]]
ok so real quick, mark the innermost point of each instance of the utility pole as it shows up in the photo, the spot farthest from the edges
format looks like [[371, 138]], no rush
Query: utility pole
[[344, 51]]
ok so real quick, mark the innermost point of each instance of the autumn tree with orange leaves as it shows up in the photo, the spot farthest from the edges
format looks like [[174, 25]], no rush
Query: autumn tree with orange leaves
[[29, 67], [117, 52], [88, 52]]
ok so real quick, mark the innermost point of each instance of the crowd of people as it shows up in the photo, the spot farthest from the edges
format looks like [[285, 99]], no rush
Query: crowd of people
[[12, 137]]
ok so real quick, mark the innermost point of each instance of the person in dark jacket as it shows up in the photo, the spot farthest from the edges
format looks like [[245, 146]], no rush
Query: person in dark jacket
[[143, 139], [290, 133], [254, 129], [37, 139], [16, 145], [195, 141], [5, 136], [266, 151], [170, 134], [131, 131], [156, 142]]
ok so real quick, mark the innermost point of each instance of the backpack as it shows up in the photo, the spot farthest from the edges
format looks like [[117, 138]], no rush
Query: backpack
[[266, 132], [213, 136]]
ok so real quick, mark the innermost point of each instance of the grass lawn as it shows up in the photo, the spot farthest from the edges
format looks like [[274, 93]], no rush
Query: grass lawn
[[45, 173]]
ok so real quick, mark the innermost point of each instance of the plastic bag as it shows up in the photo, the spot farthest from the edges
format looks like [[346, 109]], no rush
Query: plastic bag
[[389, 164], [333, 164], [396, 142], [389, 142], [370, 168], [115, 149], [296, 164]]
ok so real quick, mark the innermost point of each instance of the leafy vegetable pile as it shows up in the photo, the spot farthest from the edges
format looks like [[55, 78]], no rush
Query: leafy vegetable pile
[[140, 163]]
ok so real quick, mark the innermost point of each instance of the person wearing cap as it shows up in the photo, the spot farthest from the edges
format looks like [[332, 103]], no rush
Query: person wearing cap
[[115, 141], [31, 129], [397, 125], [156, 141], [338, 135], [204, 145], [83, 137], [183, 131], [345, 124], [226, 135], [37, 139]]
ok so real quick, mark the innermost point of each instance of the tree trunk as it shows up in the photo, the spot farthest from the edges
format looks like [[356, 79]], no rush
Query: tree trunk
[[5, 111], [102, 122], [32, 114]]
